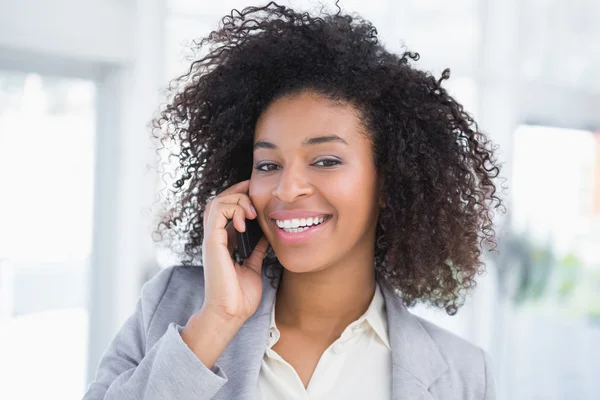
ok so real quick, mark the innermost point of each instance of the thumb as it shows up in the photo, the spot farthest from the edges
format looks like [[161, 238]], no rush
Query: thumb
[[258, 254]]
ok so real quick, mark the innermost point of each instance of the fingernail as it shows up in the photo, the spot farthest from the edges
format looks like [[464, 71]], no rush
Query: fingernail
[[253, 209]]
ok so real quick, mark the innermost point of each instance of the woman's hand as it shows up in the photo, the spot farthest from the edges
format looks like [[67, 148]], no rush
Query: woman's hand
[[231, 290]]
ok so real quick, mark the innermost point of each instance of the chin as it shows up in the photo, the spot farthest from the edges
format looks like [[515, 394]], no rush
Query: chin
[[299, 263]]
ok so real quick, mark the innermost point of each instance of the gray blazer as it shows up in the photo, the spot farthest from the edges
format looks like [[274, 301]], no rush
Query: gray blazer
[[148, 360]]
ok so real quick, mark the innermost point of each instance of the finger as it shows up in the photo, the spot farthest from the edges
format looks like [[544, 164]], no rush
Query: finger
[[224, 212], [241, 199], [206, 213], [258, 254], [240, 187], [239, 220]]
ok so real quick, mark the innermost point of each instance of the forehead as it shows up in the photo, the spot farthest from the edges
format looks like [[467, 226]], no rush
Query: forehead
[[293, 119]]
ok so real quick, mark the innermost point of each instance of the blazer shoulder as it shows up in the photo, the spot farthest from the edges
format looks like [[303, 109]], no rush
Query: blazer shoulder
[[450, 345], [193, 275], [469, 365], [168, 279], [172, 295]]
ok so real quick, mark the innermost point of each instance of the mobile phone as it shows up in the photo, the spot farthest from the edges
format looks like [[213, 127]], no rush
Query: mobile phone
[[247, 240]]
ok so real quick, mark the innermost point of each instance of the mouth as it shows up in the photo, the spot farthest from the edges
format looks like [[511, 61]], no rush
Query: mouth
[[300, 230], [298, 225]]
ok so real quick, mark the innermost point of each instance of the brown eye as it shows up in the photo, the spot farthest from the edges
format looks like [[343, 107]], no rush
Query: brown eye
[[327, 162], [266, 167]]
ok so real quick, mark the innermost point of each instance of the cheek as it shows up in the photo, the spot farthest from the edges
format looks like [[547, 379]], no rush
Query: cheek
[[354, 194], [356, 185], [259, 193]]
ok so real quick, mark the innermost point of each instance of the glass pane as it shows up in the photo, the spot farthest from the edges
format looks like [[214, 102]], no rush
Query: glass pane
[[191, 20], [47, 130], [181, 33], [444, 33], [560, 42], [553, 328], [220, 8]]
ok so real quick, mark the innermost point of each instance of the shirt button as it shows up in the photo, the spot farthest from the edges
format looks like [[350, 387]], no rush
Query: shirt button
[[337, 348]]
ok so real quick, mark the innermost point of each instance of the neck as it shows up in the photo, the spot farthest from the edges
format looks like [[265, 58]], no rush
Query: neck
[[326, 300]]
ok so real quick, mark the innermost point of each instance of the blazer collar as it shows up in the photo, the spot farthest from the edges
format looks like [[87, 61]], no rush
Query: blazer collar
[[417, 362]]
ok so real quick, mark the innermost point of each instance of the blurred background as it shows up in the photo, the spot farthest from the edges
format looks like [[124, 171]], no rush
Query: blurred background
[[81, 79]]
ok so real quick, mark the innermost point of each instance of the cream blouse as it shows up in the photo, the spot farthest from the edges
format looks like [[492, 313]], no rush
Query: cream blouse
[[358, 365]]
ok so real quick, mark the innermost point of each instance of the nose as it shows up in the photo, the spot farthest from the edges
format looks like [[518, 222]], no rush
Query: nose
[[292, 184]]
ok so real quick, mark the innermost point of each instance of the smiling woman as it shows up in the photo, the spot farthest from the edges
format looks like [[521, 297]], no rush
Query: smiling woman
[[332, 177], [374, 191]]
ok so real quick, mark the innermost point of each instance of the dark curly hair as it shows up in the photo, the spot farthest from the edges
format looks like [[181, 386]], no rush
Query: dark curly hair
[[437, 167]]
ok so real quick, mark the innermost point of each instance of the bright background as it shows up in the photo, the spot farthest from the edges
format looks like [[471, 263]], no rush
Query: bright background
[[81, 79]]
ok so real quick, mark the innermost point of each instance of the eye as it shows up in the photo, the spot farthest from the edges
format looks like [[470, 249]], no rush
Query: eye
[[266, 167], [327, 162]]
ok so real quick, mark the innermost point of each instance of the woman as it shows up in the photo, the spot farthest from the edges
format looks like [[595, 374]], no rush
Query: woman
[[374, 190]]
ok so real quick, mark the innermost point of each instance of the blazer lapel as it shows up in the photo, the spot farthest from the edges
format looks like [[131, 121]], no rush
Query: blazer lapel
[[243, 356], [417, 362]]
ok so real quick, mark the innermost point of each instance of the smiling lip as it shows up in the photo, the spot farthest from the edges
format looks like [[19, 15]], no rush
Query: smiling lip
[[291, 214], [301, 237]]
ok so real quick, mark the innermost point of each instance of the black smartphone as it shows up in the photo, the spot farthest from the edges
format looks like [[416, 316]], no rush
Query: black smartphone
[[247, 240]]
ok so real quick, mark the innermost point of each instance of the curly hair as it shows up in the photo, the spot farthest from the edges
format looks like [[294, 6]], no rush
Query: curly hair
[[437, 167]]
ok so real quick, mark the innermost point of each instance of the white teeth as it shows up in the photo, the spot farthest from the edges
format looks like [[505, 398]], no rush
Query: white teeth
[[295, 230], [299, 224]]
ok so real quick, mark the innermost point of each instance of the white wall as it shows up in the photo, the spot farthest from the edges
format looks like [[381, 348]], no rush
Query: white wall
[[126, 187], [84, 30], [119, 45]]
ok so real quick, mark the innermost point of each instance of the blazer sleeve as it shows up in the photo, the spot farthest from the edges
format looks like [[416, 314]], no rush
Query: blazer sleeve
[[490, 381], [168, 370]]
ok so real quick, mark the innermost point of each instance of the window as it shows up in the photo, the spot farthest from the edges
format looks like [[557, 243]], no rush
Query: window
[[47, 128], [552, 283]]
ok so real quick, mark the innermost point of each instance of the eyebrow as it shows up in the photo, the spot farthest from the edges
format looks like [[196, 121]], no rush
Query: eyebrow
[[262, 144]]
